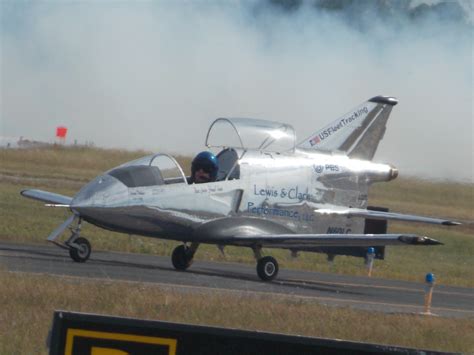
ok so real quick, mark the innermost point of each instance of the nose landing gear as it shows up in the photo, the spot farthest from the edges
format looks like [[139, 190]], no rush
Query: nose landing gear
[[80, 250], [79, 247]]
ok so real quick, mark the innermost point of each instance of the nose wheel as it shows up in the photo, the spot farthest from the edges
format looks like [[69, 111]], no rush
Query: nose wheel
[[79, 247], [80, 250]]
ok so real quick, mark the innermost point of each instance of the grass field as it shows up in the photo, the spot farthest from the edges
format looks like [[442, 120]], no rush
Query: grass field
[[28, 303], [30, 300]]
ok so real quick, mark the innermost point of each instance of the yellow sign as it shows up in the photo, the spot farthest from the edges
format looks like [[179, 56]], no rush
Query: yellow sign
[[106, 351], [106, 343]]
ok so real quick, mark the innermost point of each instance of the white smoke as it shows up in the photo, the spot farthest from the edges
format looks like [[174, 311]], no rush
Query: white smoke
[[154, 75]]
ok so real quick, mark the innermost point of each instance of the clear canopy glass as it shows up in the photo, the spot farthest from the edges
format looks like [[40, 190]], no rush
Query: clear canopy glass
[[169, 168], [158, 169], [250, 133]]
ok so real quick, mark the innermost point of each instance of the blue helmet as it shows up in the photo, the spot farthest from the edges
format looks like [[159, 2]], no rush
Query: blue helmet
[[206, 161]]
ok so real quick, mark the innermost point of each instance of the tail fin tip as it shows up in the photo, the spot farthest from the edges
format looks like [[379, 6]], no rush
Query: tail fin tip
[[392, 101]]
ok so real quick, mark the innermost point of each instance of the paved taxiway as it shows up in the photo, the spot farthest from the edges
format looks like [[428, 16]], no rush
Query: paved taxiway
[[331, 289]]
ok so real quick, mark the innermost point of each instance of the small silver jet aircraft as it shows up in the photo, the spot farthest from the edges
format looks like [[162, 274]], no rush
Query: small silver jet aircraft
[[269, 192]]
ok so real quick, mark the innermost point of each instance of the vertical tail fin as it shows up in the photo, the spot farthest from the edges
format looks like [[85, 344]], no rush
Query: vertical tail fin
[[357, 133]]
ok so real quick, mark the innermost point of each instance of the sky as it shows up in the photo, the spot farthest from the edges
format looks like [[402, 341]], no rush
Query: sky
[[154, 75]]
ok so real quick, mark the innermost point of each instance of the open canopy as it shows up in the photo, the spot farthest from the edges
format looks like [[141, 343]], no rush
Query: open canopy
[[251, 133]]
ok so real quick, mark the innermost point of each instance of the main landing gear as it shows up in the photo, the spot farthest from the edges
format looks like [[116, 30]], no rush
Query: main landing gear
[[267, 266], [182, 256]]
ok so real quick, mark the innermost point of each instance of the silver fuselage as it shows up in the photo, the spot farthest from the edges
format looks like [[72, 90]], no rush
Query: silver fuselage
[[281, 189]]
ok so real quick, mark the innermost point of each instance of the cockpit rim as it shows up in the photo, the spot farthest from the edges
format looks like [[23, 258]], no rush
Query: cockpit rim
[[175, 180]]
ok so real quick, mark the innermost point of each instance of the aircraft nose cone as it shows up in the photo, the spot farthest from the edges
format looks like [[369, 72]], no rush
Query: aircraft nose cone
[[103, 191]]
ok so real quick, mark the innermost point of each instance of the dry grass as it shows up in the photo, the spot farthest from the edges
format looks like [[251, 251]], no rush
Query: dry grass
[[66, 163], [70, 162], [442, 199], [28, 302]]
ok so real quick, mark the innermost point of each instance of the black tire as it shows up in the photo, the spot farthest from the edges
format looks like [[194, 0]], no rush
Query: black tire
[[82, 254], [267, 268], [180, 258]]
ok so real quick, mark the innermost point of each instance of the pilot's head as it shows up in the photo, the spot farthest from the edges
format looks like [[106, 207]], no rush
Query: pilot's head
[[204, 168]]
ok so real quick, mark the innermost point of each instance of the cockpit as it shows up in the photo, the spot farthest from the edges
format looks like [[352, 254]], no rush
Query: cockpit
[[163, 169], [232, 137], [158, 169]]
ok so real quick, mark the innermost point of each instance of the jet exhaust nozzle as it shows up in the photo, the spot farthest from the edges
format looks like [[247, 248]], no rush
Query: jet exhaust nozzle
[[393, 173]]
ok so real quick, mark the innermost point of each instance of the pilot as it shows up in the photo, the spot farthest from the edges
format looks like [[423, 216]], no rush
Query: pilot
[[204, 168]]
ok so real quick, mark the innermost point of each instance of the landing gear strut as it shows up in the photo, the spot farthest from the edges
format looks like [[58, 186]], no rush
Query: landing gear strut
[[182, 256], [267, 266], [79, 247]]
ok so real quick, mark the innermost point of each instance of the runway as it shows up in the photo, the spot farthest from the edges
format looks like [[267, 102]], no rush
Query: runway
[[358, 292]]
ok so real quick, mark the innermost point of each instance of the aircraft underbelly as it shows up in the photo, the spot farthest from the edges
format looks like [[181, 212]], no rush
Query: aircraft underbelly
[[302, 219], [140, 220]]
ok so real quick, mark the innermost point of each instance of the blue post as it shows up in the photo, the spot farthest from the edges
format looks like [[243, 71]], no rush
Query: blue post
[[430, 281]]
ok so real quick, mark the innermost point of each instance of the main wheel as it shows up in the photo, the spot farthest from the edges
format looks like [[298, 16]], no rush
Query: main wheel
[[180, 258], [267, 268], [82, 253]]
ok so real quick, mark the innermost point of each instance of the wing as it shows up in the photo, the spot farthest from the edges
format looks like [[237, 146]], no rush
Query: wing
[[48, 197], [310, 241], [252, 232], [358, 212]]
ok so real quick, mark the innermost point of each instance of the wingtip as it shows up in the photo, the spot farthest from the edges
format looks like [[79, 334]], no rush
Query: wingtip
[[428, 241], [419, 240], [431, 241], [25, 192], [451, 223]]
